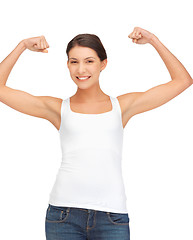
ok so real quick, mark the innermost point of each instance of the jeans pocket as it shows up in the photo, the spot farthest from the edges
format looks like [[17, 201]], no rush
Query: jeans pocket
[[57, 214], [118, 218]]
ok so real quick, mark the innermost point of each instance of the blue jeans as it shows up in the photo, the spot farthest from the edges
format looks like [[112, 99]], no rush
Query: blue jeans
[[69, 223]]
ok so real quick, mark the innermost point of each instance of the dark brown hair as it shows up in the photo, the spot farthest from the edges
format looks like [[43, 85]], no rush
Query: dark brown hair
[[88, 40]]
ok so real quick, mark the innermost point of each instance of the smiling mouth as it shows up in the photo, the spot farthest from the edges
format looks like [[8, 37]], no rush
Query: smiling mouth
[[83, 78]]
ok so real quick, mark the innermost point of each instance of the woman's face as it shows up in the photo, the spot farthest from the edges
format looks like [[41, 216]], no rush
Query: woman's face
[[85, 64]]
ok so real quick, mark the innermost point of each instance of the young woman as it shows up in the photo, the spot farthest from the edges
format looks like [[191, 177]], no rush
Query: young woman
[[88, 198]]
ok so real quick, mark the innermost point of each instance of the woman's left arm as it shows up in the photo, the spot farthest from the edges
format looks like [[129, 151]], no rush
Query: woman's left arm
[[138, 102]]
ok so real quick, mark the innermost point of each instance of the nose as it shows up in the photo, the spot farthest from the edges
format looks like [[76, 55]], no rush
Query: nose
[[81, 68]]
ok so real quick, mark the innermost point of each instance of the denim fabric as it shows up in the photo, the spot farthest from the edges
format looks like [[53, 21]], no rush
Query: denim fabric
[[69, 223]]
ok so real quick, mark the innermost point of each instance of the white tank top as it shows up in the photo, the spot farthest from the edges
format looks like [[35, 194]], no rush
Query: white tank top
[[90, 175]]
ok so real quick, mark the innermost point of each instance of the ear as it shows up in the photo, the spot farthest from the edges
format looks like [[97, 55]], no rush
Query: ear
[[67, 63], [103, 64]]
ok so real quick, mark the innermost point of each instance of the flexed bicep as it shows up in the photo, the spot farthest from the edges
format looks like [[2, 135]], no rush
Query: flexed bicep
[[22, 101], [156, 96]]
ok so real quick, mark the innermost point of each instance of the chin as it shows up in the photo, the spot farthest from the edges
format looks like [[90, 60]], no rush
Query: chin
[[83, 87]]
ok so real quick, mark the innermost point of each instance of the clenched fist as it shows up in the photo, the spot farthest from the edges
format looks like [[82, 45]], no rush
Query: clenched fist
[[37, 44], [141, 36]]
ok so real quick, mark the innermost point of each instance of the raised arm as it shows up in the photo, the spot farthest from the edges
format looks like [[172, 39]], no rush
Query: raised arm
[[138, 102], [39, 106]]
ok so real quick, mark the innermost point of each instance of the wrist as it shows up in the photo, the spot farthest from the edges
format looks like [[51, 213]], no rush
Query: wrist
[[153, 40], [22, 45]]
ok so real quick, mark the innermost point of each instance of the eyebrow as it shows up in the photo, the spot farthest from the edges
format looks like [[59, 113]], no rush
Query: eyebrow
[[85, 58]]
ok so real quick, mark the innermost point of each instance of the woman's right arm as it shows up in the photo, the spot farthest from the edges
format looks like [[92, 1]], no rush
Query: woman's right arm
[[38, 106]]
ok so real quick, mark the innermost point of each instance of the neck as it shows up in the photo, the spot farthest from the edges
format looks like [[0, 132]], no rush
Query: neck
[[93, 94]]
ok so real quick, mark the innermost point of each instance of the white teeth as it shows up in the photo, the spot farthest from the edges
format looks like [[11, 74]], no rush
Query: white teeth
[[83, 78]]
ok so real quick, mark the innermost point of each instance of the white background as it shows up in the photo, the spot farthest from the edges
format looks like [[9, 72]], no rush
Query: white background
[[157, 152]]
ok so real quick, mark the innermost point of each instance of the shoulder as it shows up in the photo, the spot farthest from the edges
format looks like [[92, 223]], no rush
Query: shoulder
[[53, 104], [125, 101], [53, 109]]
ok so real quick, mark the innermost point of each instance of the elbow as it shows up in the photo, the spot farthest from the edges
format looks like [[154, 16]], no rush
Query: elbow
[[187, 82], [191, 81]]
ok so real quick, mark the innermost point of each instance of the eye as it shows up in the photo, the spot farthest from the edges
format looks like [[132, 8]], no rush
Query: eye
[[90, 61], [73, 62]]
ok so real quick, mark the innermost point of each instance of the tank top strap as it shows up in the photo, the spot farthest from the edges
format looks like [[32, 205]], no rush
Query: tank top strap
[[116, 105], [117, 110], [64, 106]]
